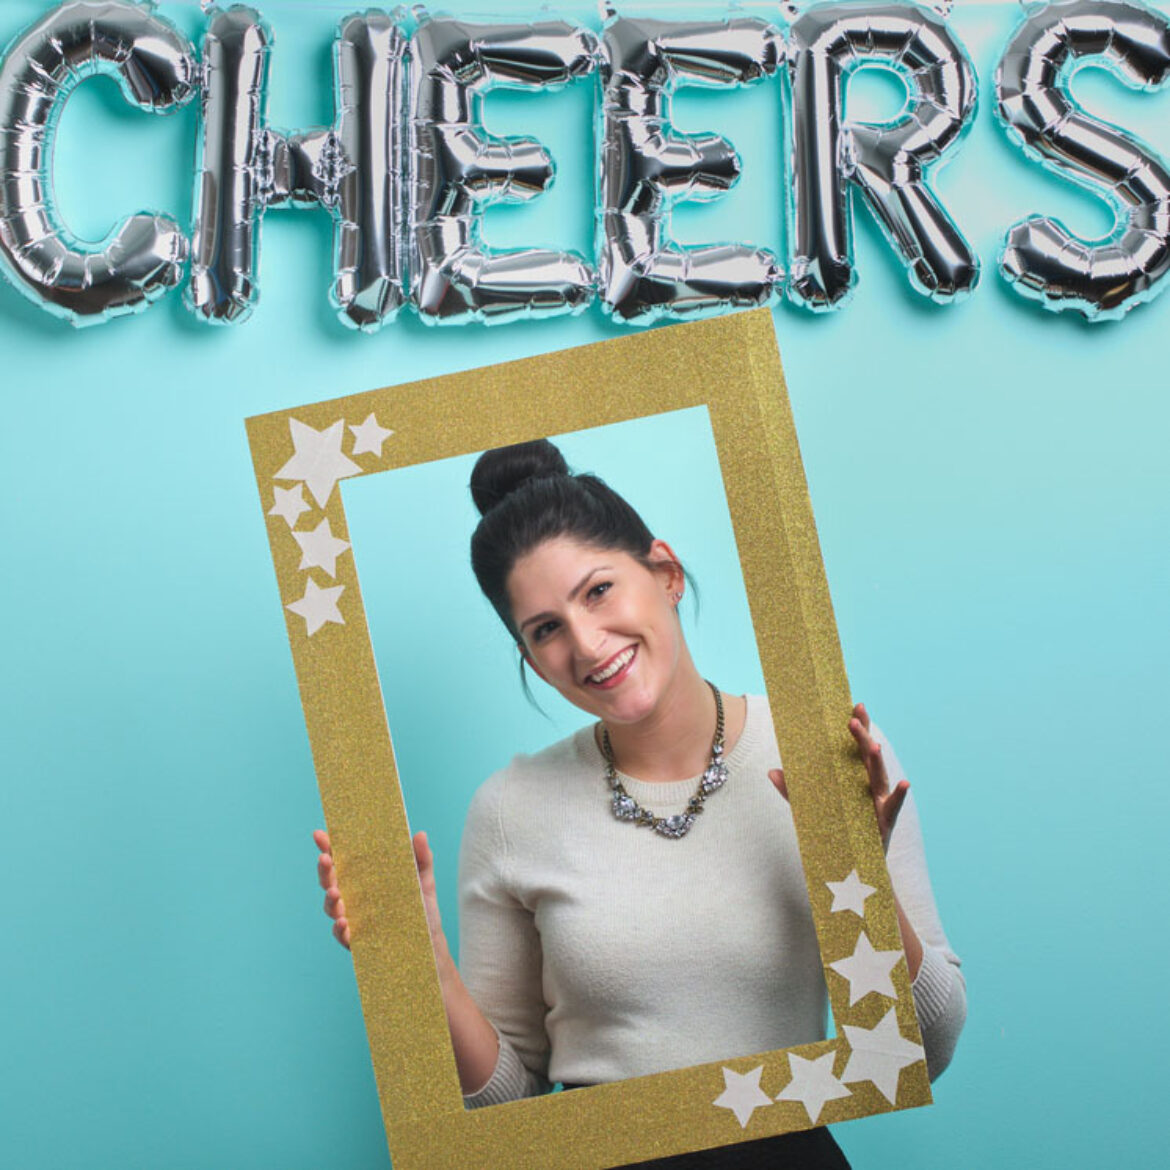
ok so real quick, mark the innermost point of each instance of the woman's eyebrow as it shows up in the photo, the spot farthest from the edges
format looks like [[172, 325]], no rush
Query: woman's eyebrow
[[572, 594]]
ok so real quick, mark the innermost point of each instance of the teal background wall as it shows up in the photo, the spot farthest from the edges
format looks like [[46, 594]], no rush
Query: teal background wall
[[990, 491]]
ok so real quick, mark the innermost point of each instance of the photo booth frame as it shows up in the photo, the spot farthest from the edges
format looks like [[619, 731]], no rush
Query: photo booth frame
[[874, 1063]]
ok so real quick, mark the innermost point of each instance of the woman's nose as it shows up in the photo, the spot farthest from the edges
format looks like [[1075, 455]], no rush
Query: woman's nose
[[588, 638]]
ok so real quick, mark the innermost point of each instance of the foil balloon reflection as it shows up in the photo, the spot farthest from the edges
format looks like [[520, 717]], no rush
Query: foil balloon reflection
[[144, 255], [646, 166], [458, 169], [1041, 258], [885, 161], [352, 169]]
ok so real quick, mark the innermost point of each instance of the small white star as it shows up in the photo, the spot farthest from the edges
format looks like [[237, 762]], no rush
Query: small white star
[[368, 437], [879, 1054], [318, 459], [742, 1094], [867, 970], [813, 1084], [290, 503], [318, 606], [320, 548], [850, 894]]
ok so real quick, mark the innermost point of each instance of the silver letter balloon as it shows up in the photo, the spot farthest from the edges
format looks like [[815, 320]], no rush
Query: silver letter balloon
[[646, 166], [1041, 258], [352, 169], [457, 169], [145, 254], [407, 168], [885, 161]]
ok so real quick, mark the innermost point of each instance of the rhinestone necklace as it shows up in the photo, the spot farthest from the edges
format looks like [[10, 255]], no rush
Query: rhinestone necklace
[[626, 808]]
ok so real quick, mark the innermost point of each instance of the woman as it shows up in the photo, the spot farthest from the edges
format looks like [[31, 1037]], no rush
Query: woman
[[631, 898]]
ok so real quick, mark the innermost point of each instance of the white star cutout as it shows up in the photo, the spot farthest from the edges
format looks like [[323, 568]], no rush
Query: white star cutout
[[813, 1084], [850, 894], [866, 969], [318, 459], [318, 606], [290, 503], [368, 437], [320, 548], [879, 1054], [742, 1094]]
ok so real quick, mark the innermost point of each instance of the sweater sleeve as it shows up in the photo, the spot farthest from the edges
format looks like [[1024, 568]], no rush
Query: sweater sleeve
[[940, 994], [500, 956]]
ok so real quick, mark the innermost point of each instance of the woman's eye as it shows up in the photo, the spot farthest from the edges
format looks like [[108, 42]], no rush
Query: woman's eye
[[600, 589], [543, 630]]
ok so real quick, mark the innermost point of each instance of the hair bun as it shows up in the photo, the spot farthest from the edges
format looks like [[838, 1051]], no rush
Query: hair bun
[[500, 472]]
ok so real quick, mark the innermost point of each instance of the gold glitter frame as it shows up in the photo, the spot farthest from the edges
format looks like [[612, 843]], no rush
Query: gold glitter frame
[[731, 366]]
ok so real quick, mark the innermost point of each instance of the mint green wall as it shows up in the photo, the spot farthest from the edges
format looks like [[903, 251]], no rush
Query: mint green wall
[[990, 491]]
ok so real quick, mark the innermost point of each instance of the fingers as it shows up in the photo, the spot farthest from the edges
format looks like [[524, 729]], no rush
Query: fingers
[[325, 861], [334, 903], [327, 878], [776, 775], [892, 806], [871, 753], [887, 814], [423, 857]]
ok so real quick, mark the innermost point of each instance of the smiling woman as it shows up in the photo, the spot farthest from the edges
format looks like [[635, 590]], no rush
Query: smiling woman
[[578, 580], [443, 653], [586, 924]]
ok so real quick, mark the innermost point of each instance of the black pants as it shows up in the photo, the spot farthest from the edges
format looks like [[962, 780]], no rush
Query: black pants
[[810, 1149]]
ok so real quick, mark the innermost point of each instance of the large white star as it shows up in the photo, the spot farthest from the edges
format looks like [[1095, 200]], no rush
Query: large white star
[[318, 459], [289, 504], [320, 548], [318, 606], [849, 894], [368, 437], [813, 1084], [866, 969], [879, 1054], [742, 1094]]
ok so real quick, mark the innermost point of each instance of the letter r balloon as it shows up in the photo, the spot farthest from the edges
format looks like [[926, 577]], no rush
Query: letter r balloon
[[886, 162]]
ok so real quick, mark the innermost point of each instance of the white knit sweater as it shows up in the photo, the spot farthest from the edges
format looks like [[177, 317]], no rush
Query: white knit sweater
[[602, 951]]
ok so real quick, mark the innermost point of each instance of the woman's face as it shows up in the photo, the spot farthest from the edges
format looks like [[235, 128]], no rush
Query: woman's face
[[598, 625]]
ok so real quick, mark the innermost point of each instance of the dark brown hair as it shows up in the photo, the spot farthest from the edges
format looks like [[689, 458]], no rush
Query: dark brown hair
[[526, 495]]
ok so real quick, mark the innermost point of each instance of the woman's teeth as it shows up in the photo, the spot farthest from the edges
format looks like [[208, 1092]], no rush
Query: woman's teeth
[[620, 661]]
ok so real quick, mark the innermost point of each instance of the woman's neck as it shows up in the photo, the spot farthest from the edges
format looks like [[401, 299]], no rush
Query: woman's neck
[[674, 741]]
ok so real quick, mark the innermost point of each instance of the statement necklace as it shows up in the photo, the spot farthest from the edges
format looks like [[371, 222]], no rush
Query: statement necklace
[[626, 808]]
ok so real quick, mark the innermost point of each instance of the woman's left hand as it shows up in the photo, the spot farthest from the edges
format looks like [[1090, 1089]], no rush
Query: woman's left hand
[[887, 802]]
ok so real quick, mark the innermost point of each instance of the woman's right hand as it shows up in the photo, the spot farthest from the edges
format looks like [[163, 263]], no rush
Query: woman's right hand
[[424, 859], [327, 876], [475, 1041]]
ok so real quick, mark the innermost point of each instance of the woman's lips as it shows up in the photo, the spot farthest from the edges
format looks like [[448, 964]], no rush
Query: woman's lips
[[613, 671]]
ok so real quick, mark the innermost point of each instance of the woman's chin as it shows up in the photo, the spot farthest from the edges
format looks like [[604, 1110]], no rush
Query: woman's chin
[[626, 703]]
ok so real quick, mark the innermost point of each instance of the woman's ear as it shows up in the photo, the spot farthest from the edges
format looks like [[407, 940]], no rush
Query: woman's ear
[[663, 560]]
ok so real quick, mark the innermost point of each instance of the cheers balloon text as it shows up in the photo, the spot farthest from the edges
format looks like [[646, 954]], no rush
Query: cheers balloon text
[[407, 168]]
